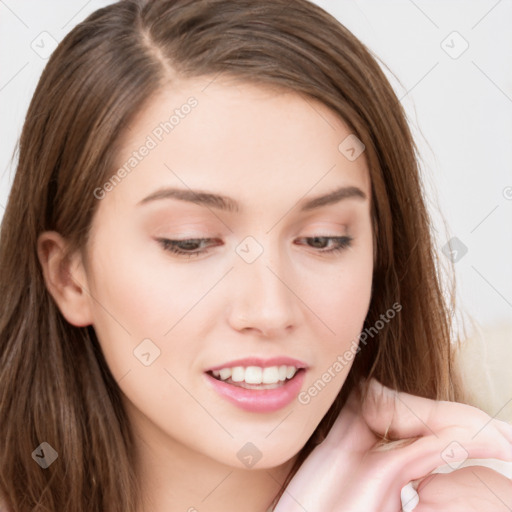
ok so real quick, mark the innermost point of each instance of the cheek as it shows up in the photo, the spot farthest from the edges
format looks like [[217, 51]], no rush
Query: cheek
[[142, 295], [343, 308], [134, 299], [335, 351], [142, 289], [340, 295]]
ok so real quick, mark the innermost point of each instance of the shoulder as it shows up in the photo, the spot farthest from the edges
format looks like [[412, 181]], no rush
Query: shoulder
[[472, 488]]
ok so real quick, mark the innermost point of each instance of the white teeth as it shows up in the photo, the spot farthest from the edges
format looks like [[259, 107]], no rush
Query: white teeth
[[225, 373], [256, 374], [282, 372], [238, 374], [290, 372], [253, 375], [270, 375]]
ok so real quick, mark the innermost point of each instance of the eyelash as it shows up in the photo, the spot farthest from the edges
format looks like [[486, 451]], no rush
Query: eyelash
[[343, 242]]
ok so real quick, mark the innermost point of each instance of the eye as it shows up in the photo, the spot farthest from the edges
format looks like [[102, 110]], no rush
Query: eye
[[339, 243], [196, 246], [187, 248]]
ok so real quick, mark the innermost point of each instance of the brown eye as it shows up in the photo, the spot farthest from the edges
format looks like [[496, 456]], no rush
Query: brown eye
[[340, 243], [188, 248]]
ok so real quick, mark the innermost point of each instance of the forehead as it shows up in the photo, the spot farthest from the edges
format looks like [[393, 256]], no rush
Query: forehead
[[238, 138]]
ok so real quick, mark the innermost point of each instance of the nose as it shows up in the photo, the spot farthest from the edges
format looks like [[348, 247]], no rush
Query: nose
[[263, 297]]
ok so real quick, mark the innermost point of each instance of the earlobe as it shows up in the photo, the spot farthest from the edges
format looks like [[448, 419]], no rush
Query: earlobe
[[65, 278]]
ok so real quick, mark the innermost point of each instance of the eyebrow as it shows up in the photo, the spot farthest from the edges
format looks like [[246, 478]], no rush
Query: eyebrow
[[226, 203]]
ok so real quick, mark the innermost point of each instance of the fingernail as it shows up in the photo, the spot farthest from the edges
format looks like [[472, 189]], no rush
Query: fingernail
[[409, 498], [376, 386], [379, 388]]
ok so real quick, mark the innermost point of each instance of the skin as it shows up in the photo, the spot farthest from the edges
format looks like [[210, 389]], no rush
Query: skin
[[269, 151]]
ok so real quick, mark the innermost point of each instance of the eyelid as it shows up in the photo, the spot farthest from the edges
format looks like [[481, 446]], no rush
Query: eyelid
[[342, 243]]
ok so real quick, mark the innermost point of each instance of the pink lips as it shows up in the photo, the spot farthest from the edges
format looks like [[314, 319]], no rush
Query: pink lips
[[259, 400]]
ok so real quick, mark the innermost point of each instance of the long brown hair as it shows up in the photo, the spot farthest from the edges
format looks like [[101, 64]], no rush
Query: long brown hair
[[55, 386]]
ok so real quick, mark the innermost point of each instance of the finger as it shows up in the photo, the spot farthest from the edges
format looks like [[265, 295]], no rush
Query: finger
[[418, 459], [404, 415], [472, 488]]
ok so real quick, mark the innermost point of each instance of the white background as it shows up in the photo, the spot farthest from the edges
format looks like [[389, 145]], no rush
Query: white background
[[460, 110]]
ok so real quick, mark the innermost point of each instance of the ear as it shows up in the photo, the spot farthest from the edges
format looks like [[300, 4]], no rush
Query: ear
[[65, 278]]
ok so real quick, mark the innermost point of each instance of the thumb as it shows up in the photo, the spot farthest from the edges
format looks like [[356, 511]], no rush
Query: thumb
[[399, 415], [379, 410]]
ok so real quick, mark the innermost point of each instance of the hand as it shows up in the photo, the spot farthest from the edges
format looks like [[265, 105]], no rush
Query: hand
[[471, 489], [353, 471]]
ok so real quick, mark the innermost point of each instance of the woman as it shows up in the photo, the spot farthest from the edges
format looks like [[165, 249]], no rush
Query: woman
[[215, 245]]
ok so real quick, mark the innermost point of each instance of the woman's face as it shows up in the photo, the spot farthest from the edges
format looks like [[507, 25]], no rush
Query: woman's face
[[266, 281]]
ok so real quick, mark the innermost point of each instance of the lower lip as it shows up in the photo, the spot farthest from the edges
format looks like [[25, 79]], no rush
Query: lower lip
[[259, 400]]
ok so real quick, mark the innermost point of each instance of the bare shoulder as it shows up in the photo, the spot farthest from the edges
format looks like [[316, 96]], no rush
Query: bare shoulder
[[482, 487]]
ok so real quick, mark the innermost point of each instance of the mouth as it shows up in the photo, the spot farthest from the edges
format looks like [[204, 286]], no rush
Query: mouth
[[255, 377], [257, 389]]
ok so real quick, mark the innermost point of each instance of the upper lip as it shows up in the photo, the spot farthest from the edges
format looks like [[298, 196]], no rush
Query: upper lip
[[263, 363]]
